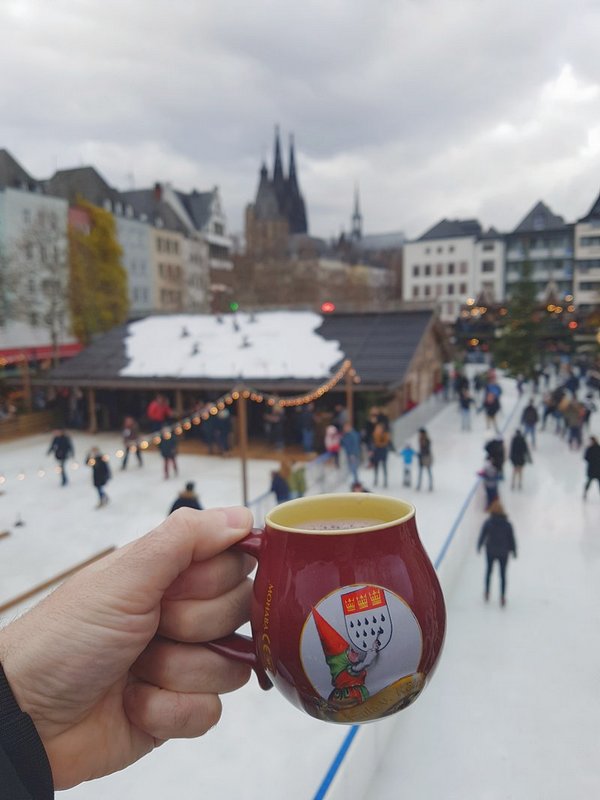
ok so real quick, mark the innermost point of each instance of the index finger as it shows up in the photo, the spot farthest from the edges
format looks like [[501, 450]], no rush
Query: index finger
[[150, 564]]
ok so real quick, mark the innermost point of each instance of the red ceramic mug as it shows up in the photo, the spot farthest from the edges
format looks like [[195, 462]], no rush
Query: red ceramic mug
[[348, 616]]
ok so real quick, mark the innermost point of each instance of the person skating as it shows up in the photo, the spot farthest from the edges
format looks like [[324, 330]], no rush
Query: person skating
[[187, 498], [529, 421], [62, 447], [279, 486], [592, 456], [131, 444], [498, 538], [351, 445], [491, 477], [100, 473], [168, 451], [158, 412], [519, 456], [333, 443], [407, 453], [465, 401], [425, 458], [490, 407], [381, 446]]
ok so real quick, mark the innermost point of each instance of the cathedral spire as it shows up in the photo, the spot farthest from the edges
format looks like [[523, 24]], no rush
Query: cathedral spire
[[277, 162], [292, 179], [356, 217]]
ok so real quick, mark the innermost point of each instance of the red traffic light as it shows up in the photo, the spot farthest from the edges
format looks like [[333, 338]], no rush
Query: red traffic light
[[573, 324], [327, 307]]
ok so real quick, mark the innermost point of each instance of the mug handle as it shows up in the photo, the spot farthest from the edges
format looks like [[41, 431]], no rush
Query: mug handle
[[236, 646]]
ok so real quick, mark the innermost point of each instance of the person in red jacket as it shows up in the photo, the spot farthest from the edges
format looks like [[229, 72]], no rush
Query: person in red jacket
[[158, 412]]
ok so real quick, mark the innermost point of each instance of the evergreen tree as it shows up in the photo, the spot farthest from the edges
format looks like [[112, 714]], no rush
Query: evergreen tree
[[518, 346], [98, 281]]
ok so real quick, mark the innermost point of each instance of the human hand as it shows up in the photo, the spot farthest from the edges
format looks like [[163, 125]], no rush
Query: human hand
[[87, 665]]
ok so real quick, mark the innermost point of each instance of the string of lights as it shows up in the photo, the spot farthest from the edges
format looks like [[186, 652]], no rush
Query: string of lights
[[212, 410]]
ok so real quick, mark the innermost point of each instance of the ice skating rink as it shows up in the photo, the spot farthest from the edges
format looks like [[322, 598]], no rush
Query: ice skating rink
[[510, 714]]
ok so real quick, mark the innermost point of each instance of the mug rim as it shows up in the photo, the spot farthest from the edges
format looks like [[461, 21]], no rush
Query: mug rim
[[367, 498]]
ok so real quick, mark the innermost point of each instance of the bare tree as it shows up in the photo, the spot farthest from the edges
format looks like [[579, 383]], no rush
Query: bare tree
[[39, 270]]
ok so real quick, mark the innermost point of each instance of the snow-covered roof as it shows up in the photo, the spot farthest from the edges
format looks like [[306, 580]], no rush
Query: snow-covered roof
[[270, 344]]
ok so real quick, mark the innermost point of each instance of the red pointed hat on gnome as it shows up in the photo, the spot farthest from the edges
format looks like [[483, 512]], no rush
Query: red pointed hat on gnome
[[333, 644]]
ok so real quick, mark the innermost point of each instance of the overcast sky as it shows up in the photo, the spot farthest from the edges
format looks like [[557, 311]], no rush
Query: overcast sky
[[435, 108]]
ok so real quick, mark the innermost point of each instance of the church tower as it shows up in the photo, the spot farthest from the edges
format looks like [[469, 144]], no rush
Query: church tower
[[295, 210]]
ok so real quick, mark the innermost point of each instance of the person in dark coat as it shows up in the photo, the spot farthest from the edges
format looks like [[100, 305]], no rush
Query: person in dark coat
[[280, 487], [62, 447], [498, 537], [519, 456], [187, 499], [100, 474], [529, 420], [491, 406], [592, 456], [496, 453], [425, 458], [168, 451]]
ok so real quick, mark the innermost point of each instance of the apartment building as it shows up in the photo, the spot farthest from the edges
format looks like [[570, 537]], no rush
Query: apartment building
[[450, 262], [545, 240]]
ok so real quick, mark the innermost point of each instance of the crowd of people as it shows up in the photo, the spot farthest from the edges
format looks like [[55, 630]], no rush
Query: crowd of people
[[569, 404]]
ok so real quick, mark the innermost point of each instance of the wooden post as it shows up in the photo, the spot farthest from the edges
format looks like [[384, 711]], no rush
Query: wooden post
[[350, 396], [178, 403], [93, 420], [26, 382], [243, 439]]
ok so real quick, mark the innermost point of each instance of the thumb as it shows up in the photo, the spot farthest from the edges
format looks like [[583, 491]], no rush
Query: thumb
[[144, 569]]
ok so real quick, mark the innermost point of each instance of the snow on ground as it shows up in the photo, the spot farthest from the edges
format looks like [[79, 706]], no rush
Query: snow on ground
[[513, 707], [270, 344]]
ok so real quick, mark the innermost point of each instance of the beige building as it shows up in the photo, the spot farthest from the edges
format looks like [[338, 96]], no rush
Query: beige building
[[168, 260], [586, 273]]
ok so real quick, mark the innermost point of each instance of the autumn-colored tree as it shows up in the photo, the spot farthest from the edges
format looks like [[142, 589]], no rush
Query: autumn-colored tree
[[98, 282]]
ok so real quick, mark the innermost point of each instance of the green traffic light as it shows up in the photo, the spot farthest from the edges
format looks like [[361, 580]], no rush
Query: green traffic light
[[234, 306]]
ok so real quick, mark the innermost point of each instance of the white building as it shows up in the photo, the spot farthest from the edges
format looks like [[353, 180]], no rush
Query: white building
[[449, 263], [34, 273]]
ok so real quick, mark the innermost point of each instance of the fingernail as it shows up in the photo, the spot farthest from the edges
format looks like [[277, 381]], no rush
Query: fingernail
[[238, 518]]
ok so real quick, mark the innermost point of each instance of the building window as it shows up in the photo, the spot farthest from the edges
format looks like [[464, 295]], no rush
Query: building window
[[451, 269], [463, 288], [427, 291], [427, 269], [427, 250], [463, 267], [450, 309], [439, 249], [416, 271], [590, 241], [439, 269], [415, 291], [487, 266], [438, 290], [219, 229], [450, 288], [451, 248], [488, 246]]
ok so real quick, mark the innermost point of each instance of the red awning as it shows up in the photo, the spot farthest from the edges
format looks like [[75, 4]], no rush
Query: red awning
[[13, 355]]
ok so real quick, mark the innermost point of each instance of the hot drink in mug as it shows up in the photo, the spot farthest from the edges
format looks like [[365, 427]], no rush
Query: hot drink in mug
[[348, 617]]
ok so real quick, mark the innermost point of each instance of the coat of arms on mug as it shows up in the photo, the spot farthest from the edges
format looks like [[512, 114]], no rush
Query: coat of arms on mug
[[360, 649]]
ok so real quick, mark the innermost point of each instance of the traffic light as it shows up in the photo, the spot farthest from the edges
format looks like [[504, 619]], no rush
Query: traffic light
[[327, 307], [233, 306]]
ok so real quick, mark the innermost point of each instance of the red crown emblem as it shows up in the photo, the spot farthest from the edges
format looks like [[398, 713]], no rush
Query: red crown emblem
[[365, 599]]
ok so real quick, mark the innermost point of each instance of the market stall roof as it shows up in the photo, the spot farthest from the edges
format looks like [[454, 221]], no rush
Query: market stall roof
[[269, 350]]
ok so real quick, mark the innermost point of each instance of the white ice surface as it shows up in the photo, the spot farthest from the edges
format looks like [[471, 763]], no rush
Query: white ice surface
[[276, 344], [512, 711]]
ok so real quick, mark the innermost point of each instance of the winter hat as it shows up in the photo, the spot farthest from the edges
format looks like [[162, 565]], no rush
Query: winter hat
[[189, 487]]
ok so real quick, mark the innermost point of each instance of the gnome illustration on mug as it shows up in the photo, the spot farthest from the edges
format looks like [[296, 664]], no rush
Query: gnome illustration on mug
[[359, 670]]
